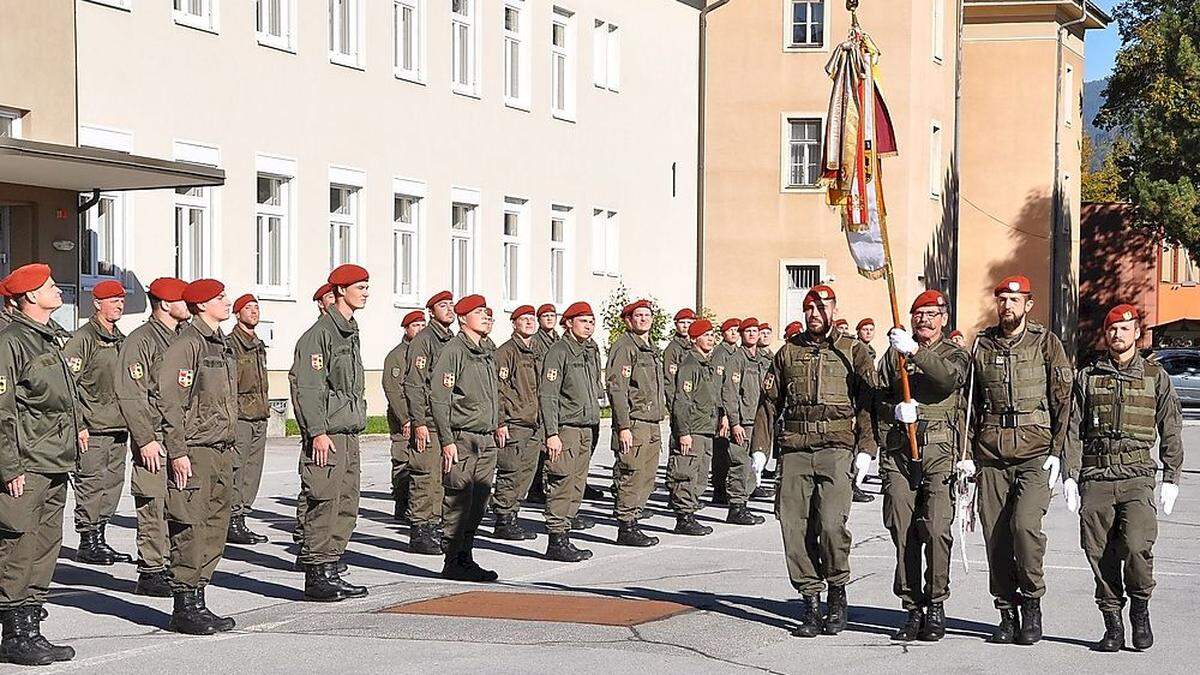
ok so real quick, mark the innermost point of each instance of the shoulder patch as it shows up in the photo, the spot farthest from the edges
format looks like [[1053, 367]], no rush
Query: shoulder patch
[[552, 374], [720, 371], [420, 363], [3, 384], [186, 377], [75, 364], [769, 382], [627, 371], [448, 380], [673, 368], [504, 372], [396, 372], [317, 361], [136, 372], [736, 377], [687, 387]]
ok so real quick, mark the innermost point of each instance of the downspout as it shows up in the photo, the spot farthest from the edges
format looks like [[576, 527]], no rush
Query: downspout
[[1057, 320], [954, 161], [701, 93]]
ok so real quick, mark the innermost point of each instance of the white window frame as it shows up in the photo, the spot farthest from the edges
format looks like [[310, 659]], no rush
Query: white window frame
[[567, 55], [606, 242], [520, 39], [514, 293], [606, 55], [938, 48], [785, 150], [565, 214], [471, 22], [465, 197], [207, 201], [419, 35], [184, 250], [278, 166], [208, 19], [936, 148], [419, 193], [125, 5], [108, 138], [784, 263], [352, 57], [287, 40], [266, 256], [788, 45], [116, 200], [1068, 102], [355, 181], [14, 118]]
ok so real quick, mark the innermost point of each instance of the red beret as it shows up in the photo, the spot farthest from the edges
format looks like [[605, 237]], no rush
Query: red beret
[[3, 288], [546, 309], [841, 322], [865, 322], [730, 323], [929, 298], [347, 275], [202, 290], [108, 289], [747, 324], [412, 317], [324, 290], [242, 302], [684, 314], [439, 297], [764, 326], [1014, 284], [635, 306], [522, 311], [956, 333], [699, 328], [1123, 312], [792, 328], [167, 289], [27, 278], [469, 304], [578, 309], [820, 293]]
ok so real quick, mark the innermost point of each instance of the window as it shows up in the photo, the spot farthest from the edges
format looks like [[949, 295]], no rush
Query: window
[[191, 232], [802, 152], [409, 59], [406, 218], [200, 14], [562, 64], [797, 280], [274, 23], [10, 123], [1068, 96], [345, 32], [272, 226], [1166, 264], [462, 248], [606, 242], [805, 24], [512, 235], [560, 217], [100, 250], [939, 30], [516, 55], [464, 36], [343, 224], [606, 56]]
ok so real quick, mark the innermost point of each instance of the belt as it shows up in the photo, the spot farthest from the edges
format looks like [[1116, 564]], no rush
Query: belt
[[1116, 459], [818, 427], [1012, 420]]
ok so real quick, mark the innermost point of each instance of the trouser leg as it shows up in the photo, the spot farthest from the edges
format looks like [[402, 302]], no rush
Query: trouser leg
[[198, 517], [899, 511], [426, 491], [149, 490], [114, 473], [566, 477], [719, 464], [1139, 518], [1031, 500], [400, 476], [793, 508], [687, 475], [467, 486], [89, 481], [248, 464], [1100, 540], [634, 471], [739, 482], [934, 525], [832, 502], [30, 539], [993, 488], [516, 464], [348, 494], [216, 519]]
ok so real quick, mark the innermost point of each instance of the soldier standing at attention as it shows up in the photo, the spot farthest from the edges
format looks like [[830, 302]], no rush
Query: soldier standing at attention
[[197, 396], [958, 338], [331, 409], [100, 474], [569, 393], [518, 369], [426, 493], [866, 332], [1022, 400], [41, 436], [722, 355], [547, 334], [919, 518], [399, 422], [741, 390], [821, 386], [696, 416], [251, 354], [764, 341], [466, 413], [324, 299], [137, 393], [1121, 405], [792, 330], [679, 345], [634, 377]]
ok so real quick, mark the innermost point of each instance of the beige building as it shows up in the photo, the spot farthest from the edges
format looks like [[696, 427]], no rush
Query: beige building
[[768, 233]]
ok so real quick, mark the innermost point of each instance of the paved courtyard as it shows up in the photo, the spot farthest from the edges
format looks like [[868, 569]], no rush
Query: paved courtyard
[[733, 584]]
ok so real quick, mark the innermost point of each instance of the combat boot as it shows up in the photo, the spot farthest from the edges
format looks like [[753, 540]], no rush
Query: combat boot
[[153, 584], [223, 623], [509, 529], [1114, 633], [320, 584], [16, 646], [861, 496], [561, 549], [422, 540], [400, 513], [186, 616], [739, 514], [91, 552], [810, 617], [911, 628], [1031, 622], [835, 610], [629, 534], [687, 524], [117, 556], [1006, 630], [347, 589], [258, 538], [461, 567], [934, 628], [592, 493], [33, 618], [237, 533], [582, 522], [1139, 619], [763, 492]]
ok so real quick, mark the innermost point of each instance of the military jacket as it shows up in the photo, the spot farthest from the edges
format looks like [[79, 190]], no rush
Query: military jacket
[[92, 355], [136, 385], [327, 380], [251, 354], [423, 353], [463, 392], [743, 386], [672, 355], [543, 340], [937, 377], [518, 371], [197, 390], [697, 406], [634, 375], [394, 366], [570, 389]]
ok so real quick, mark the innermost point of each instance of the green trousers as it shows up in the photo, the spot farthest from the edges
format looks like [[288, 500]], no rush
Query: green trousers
[[198, 517], [425, 490], [400, 478], [331, 495], [149, 490], [634, 471], [919, 522], [98, 478], [812, 505], [566, 477], [31, 528], [1012, 501], [248, 456], [687, 475], [516, 464], [739, 477], [467, 485], [1118, 523]]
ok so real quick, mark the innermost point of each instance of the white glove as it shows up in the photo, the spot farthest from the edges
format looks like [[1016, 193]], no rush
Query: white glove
[[966, 466], [1166, 497], [906, 411], [1052, 465], [902, 341], [1071, 492], [862, 462], [760, 462]]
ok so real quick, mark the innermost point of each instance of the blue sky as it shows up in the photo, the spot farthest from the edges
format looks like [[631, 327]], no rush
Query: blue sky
[[1101, 47]]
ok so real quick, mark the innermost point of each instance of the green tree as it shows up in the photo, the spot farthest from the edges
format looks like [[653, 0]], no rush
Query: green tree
[[615, 325], [1153, 96], [1103, 184]]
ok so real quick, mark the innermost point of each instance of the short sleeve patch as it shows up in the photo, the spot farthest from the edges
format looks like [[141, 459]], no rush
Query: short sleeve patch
[[769, 382], [552, 374], [420, 363], [136, 372], [673, 368], [317, 361], [720, 371], [736, 377], [504, 372], [395, 372], [186, 377], [448, 380], [75, 364], [627, 372]]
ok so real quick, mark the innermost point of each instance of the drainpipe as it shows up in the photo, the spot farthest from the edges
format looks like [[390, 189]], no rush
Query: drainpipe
[[1057, 271], [701, 93]]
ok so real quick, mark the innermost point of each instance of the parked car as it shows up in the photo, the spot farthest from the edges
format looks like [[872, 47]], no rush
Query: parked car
[[1183, 365]]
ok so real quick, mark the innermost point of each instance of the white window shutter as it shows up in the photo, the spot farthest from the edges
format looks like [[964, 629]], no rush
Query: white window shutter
[[612, 246], [599, 239]]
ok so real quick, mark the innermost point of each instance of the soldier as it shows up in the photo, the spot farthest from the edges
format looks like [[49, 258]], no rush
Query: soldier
[[792, 330], [724, 352], [958, 339], [547, 335], [251, 354], [696, 420], [821, 385], [329, 396], [399, 423], [842, 327], [917, 508], [740, 391], [100, 474], [465, 406], [866, 332], [518, 369], [197, 397], [764, 490], [1121, 405], [5, 306], [41, 436], [569, 394], [679, 345], [324, 299], [137, 394], [764, 341], [634, 376], [1021, 404], [426, 493]]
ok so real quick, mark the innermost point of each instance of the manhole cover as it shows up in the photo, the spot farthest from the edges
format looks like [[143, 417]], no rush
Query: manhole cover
[[588, 609]]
